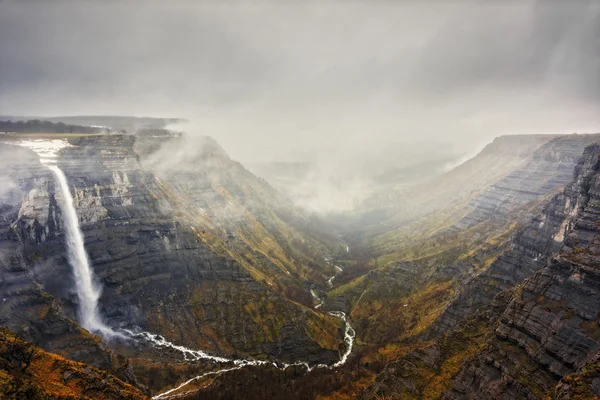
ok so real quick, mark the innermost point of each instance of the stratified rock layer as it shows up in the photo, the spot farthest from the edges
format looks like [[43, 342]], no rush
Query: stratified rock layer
[[201, 252], [549, 168], [529, 320]]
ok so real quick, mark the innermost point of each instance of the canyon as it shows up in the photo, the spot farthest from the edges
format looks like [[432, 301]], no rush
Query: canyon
[[205, 282]]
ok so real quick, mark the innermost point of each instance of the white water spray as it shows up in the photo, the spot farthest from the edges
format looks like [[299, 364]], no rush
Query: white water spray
[[88, 291]]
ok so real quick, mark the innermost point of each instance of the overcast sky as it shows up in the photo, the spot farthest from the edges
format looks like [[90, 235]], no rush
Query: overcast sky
[[278, 81]]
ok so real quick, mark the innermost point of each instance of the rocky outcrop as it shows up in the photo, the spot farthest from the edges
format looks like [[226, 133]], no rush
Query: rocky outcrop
[[485, 192], [528, 252], [29, 219], [583, 384], [472, 264]]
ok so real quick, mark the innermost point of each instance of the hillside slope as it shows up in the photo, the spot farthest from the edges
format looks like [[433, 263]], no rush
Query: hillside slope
[[549, 329], [28, 372], [530, 319], [499, 193], [503, 155], [208, 256]]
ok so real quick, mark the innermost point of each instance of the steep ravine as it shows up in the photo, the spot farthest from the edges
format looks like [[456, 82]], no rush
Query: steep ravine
[[229, 365], [206, 270], [159, 272]]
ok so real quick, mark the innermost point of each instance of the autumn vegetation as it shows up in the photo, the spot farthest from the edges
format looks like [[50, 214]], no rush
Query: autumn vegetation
[[28, 372]]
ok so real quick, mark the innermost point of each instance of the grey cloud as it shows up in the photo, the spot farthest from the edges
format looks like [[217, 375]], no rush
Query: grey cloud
[[327, 82]]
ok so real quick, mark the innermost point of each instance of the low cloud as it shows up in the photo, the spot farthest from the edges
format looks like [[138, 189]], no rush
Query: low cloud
[[278, 81]]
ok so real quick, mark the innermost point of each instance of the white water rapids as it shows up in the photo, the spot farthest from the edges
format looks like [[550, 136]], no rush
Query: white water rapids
[[89, 291], [194, 355]]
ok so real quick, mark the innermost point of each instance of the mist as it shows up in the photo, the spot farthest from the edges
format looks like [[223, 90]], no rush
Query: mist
[[353, 90]]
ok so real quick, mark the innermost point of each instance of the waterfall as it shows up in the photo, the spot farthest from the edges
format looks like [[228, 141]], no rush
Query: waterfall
[[88, 290]]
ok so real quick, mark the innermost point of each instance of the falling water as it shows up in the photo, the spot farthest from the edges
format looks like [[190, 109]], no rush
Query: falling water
[[88, 291]]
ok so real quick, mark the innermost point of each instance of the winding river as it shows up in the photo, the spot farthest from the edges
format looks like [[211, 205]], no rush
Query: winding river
[[195, 355]]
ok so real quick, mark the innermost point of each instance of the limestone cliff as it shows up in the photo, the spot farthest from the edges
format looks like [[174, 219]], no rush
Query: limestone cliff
[[549, 329], [528, 252], [550, 167], [527, 321], [466, 264], [205, 254], [394, 207]]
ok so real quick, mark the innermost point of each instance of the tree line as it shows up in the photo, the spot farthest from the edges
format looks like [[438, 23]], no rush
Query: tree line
[[41, 126]]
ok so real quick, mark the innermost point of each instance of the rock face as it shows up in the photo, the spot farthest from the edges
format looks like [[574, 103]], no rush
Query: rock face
[[526, 322], [494, 188], [505, 154], [29, 220], [529, 250], [477, 257], [188, 244], [549, 167], [208, 255], [549, 329]]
